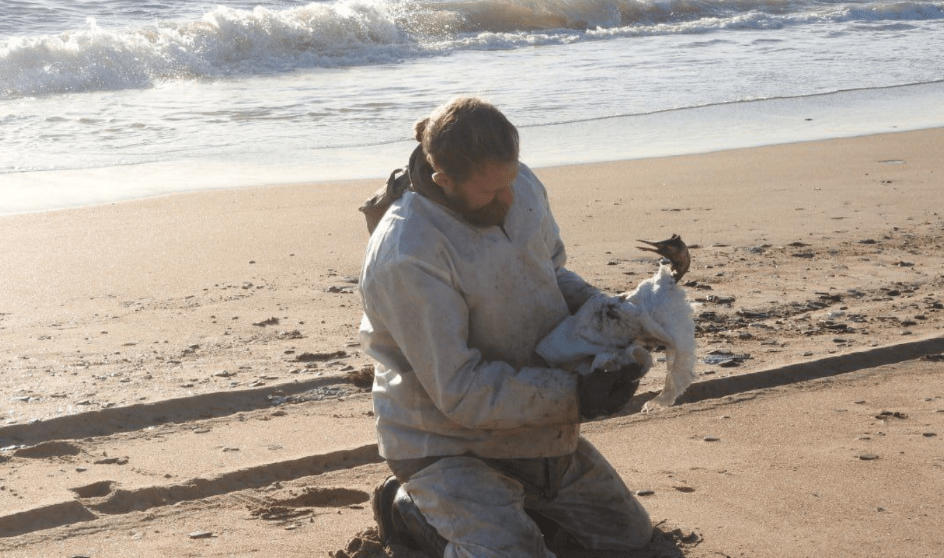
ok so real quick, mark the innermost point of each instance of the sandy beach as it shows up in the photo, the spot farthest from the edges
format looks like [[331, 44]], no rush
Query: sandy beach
[[182, 375]]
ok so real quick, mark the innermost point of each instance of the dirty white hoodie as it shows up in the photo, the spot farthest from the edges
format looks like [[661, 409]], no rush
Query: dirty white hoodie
[[452, 314]]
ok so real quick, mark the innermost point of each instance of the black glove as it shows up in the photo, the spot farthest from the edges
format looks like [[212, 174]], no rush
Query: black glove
[[603, 393]]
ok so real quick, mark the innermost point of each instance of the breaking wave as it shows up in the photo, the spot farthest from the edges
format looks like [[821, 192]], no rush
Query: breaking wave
[[234, 41]]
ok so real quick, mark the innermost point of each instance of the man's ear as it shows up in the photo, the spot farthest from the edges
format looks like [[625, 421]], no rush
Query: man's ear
[[444, 181]]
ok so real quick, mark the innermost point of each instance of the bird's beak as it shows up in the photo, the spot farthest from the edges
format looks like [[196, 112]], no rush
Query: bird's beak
[[672, 249]]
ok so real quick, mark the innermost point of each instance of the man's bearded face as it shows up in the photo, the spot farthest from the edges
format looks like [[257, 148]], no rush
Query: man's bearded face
[[485, 199]]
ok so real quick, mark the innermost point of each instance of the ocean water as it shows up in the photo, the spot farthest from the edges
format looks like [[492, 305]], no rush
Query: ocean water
[[104, 100]]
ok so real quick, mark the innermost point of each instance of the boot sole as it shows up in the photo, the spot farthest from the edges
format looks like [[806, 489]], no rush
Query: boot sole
[[382, 506]]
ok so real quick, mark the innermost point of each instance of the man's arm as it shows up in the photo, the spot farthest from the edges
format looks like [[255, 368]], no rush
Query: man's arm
[[428, 319], [576, 291]]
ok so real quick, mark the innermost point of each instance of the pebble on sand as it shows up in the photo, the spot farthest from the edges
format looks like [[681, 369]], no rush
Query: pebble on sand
[[112, 461]]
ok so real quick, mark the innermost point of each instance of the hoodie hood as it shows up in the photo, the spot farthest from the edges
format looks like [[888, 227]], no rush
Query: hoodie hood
[[421, 177], [421, 180]]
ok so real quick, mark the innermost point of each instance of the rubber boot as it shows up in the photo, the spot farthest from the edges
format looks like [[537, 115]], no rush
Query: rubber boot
[[399, 520]]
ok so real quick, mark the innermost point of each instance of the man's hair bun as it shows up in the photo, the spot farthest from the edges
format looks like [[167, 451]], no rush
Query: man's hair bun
[[419, 128]]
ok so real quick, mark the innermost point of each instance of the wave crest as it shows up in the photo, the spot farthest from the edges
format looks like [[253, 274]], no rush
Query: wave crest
[[227, 41]]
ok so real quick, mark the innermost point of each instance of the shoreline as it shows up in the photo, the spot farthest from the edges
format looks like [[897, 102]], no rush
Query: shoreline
[[669, 133], [409, 145]]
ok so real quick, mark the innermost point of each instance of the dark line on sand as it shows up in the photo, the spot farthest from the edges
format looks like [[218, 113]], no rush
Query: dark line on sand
[[128, 418], [44, 517], [800, 372], [123, 501], [216, 404]]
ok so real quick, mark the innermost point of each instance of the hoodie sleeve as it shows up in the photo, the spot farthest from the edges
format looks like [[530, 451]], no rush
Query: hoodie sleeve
[[576, 291], [428, 319]]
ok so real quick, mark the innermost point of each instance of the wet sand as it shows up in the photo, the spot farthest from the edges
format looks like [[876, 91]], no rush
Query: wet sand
[[182, 374]]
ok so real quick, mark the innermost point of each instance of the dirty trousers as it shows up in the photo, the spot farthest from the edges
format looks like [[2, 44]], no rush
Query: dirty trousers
[[481, 511]]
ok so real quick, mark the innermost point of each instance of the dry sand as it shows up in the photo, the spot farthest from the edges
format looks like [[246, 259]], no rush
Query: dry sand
[[181, 375]]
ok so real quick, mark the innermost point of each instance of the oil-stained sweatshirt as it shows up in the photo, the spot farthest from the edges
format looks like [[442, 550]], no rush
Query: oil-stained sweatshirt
[[452, 314]]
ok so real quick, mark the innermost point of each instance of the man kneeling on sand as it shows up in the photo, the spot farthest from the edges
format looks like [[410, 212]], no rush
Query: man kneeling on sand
[[464, 274]]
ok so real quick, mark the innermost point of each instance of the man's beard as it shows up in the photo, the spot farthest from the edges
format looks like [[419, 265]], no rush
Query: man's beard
[[491, 215]]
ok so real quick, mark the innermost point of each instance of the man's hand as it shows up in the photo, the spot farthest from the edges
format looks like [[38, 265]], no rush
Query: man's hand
[[603, 393]]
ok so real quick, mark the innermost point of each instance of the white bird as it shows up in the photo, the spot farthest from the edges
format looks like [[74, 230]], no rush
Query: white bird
[[614, 331]]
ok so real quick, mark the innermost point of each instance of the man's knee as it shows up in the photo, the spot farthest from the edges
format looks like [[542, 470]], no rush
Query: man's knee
[[640, 532]]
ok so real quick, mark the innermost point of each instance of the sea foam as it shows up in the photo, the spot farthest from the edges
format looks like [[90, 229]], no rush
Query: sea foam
[[227, 41]]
